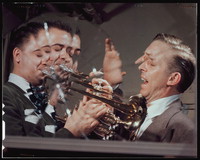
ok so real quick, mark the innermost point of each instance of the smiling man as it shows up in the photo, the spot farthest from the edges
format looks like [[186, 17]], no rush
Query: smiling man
[[167, 70], [31, 47]]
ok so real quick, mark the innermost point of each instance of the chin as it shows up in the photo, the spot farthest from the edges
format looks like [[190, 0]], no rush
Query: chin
[[142, 92], [37, 83]]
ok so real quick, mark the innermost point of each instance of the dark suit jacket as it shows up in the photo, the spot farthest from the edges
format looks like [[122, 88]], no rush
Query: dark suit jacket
[[15, 103], [170, 126]]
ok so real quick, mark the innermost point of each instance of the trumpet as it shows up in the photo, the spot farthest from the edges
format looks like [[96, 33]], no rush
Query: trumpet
[[112, 126]]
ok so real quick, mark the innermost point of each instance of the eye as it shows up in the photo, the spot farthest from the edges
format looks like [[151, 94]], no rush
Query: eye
[[47, 50], [39, 55], [68, 50], [57, 48], [77, 51], [150, 62]]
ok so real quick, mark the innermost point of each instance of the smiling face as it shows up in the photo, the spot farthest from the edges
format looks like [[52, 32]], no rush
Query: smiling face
[[154, 71], [60, 42], [29, 56]]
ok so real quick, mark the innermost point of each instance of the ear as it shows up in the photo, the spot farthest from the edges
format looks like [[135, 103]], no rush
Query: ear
[[174, 79], [17, 55]]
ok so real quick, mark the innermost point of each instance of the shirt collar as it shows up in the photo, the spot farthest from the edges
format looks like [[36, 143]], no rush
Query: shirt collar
[[158, 106], [19, 81]]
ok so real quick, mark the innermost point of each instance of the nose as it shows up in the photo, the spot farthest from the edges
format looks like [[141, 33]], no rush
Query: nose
[[46, 57], [142, 67], [65, 57], [43, 63], [53, 57], [45, 60]]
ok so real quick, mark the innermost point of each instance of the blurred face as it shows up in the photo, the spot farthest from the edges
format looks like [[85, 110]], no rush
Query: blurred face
[[154, 70], [30, 56], [76, 45], [60, 42]]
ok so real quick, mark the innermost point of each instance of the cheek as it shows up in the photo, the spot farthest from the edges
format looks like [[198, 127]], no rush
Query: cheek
[[54, 56], [159, 82], [34, 64]]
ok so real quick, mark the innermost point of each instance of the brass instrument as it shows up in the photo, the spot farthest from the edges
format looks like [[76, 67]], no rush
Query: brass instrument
[[113, 127]]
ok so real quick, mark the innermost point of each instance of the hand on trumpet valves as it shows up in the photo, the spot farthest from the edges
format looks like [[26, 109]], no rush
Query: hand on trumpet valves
[[101, 85], [85, 118]]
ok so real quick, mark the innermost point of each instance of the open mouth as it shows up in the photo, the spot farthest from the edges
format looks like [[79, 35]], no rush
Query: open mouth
[[144, 81]]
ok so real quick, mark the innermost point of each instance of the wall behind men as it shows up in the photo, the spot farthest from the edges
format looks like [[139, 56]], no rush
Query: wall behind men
[[131, 31]]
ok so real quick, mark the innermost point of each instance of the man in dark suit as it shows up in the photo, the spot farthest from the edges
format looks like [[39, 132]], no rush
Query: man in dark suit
[[167, 70], [30, 48]]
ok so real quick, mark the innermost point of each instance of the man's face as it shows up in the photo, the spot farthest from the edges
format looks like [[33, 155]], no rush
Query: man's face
[[32, 54], [154, 70], [76, 45], [60, 42]]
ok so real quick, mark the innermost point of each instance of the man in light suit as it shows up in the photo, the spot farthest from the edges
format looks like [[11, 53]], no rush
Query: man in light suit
[[167, 70]]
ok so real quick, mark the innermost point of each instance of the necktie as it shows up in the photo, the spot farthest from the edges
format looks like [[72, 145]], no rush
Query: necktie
[[38, 97]]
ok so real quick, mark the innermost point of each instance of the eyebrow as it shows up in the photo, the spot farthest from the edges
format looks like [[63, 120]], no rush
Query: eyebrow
[[41, 48], [149, 55], [78, 49], [57, 44]]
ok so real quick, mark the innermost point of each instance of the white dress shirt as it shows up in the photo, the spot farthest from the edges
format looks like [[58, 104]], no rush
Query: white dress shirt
[[156, 108], [24, 85]]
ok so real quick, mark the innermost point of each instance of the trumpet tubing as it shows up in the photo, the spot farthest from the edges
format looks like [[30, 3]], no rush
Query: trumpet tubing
[[130, 116]]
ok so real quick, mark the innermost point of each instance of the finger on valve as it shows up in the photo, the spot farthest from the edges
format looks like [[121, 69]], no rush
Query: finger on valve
[[102, 85], [95, 73], [94, 108], [100, 82]]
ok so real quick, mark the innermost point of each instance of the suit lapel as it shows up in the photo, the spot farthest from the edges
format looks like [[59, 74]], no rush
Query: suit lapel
[[21, 94], [157, 130]]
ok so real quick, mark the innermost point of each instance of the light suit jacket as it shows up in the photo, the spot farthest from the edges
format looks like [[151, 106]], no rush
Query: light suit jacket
[[170, 126]]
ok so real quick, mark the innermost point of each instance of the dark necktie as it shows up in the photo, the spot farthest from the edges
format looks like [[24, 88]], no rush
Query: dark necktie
[[38, 97], [40, 100]]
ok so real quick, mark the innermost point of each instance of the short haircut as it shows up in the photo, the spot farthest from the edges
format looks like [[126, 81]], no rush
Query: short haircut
[[183, 60], [20, 36], [59, 25]]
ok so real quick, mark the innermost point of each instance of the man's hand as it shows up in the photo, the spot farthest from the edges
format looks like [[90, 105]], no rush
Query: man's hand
[[84, 119], [112, 64]]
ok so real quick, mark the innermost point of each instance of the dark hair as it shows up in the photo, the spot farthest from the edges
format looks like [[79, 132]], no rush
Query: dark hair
[[77, 31], [187, 70], [18, 38], [183, 61], [22, 35], [59, 25]]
